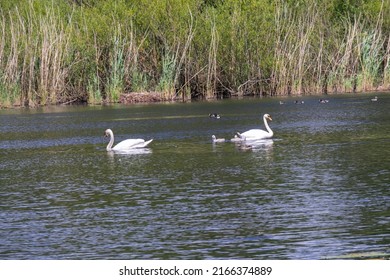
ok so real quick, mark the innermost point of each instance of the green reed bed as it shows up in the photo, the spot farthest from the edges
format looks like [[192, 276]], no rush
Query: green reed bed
[[56, 52]]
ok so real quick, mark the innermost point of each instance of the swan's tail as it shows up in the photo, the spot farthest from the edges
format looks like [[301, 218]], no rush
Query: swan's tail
[[243, 138], [147, 142], [238, 138]]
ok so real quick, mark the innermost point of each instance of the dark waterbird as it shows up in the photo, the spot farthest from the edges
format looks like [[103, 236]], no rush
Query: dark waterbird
[[214, 116]]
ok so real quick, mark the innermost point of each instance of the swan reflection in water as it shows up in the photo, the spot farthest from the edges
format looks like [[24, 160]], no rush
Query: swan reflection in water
[[255, 145], [138, 151], [134, 157]]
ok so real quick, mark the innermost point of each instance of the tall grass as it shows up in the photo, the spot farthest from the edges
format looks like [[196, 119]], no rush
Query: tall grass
[[212, 74], [94, 93], [116, 71], [166, 84], [53, 62], [9, 79], [70, 52], [386, 68], [305, 63], [34, 58], [136, 78]]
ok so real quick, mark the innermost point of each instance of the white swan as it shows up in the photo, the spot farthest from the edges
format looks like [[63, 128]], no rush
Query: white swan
[[238, 138], [258, 133], [217, 140], [125, 145]]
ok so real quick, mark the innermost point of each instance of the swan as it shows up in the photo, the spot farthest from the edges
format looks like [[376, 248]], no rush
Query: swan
[[217, 140], [258, 133], [125, 145]]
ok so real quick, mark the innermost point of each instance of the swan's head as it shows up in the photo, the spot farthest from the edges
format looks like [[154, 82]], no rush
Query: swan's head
[[268, 117], [213, 137], [108, 133]]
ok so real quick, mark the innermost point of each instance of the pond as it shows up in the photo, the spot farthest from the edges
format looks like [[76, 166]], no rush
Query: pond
[[319, 189]]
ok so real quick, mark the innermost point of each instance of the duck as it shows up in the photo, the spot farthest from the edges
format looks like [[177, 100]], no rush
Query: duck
[[375, 98], [214, 115]]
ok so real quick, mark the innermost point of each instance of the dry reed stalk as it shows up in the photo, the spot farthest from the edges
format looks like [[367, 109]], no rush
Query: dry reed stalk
[[233, 66], [348, 62], [133, 77], [367, 48], [184, 60], [3, 93], [11, 68], [319, 83], [342, 64], [386, 68], [211, 83], [93, 88], [27, 71], [53, 51], [131, 55], [281, 83], [305, 32], [115, 75], [10, 81], [2, 40]]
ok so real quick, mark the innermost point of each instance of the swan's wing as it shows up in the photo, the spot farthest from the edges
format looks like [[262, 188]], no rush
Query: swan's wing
[[131, 144], [237, 138], [255, 133]]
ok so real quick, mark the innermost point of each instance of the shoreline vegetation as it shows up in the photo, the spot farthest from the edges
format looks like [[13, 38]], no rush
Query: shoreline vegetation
[[110, 51]]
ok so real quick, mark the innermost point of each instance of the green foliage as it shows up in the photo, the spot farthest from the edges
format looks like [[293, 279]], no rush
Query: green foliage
[[116, 71], [93, 90], [167, 83], [139, 81], [95, 50], [8, 93]]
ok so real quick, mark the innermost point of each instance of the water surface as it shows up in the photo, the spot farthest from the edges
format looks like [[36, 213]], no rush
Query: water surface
[[318, 189]]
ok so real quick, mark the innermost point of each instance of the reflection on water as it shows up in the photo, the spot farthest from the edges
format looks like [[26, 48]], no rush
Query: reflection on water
[[136, 151], [255, 145], [318, 189]]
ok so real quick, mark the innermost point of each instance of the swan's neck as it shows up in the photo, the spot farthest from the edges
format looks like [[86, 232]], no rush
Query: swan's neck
[[271, 133], [109, 146]]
